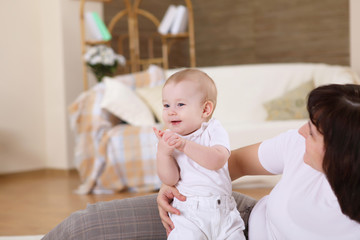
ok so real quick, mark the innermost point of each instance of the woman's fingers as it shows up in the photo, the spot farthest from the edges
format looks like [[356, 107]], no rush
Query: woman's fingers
[[164, 199], [179, 196], [166, 221]]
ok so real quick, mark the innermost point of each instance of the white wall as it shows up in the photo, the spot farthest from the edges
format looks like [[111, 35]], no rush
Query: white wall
[[53, 72], [355, 35], [41, 75], [40, 71], [22, 109]]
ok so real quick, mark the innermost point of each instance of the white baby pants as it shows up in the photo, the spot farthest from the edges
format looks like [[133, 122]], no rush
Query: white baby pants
[[213, 217]]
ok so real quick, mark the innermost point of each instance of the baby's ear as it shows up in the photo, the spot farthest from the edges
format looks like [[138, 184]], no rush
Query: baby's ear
[[208, 109]]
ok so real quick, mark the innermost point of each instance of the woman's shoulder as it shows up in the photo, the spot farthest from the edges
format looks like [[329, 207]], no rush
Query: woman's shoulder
[[275, 153]]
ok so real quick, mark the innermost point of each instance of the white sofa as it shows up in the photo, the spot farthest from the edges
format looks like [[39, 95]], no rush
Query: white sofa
[[244, 89], [243, 93]]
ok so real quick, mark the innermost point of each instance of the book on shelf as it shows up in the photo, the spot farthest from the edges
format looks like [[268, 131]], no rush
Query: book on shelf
[[101, 25], [168, 19], [180, 22], [92, 29], [97, 28]]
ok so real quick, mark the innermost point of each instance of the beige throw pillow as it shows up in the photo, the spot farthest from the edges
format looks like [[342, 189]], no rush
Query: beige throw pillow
[[292, 105], [122, 101], [152, 96]]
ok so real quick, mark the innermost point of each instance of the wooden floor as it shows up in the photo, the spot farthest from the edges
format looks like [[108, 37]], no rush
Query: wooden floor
[[33, 203]]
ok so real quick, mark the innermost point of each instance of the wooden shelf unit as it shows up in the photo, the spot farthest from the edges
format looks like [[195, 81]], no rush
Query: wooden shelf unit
[[132, 11]]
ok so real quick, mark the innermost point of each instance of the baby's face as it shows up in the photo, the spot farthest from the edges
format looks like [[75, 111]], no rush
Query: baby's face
[[183, 107]]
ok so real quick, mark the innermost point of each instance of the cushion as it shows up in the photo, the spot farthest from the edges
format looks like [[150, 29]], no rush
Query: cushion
[[122, 101], [152, 96], [292, 105]]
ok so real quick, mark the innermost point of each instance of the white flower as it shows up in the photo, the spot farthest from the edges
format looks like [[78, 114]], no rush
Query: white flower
[[108, 60], [109, 52], [95, 60], [104, 55], [90, 53]]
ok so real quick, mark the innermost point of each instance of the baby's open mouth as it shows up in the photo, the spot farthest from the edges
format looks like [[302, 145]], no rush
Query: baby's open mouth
[[175, 122]]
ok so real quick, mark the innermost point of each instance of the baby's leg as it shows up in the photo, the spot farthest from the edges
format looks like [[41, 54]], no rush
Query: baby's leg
[[185, 229]]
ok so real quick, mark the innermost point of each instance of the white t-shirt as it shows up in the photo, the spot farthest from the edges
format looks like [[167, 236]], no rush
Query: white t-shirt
[[302, 205], [196, 180]]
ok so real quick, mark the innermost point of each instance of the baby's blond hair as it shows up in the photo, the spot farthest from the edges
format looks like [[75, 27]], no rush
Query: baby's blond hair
[[206, 84]]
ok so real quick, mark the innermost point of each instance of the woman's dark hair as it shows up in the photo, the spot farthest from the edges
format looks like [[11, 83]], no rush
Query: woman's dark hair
[[335, 111]]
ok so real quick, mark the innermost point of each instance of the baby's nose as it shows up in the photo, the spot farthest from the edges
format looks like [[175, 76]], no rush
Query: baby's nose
[[172, 112]]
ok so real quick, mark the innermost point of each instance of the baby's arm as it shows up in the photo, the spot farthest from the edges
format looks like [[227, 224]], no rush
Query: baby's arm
[[167, 168], [212, 158]]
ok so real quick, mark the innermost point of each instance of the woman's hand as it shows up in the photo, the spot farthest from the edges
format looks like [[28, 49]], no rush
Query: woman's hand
[[164, 198]]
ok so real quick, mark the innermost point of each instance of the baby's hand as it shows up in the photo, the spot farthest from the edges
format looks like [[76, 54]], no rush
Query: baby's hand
[[163, 146], [158, 133], [173, 139]]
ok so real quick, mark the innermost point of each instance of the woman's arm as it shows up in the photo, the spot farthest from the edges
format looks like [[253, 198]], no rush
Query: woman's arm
[[245, 161]]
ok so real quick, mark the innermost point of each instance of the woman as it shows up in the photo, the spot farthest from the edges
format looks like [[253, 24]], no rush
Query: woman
[[318, 196]]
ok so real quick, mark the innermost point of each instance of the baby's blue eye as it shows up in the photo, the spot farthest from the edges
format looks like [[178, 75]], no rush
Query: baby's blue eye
[[181, 104], [166, 105]]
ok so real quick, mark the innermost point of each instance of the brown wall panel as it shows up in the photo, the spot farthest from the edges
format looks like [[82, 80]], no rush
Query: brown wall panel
[[257, 31]]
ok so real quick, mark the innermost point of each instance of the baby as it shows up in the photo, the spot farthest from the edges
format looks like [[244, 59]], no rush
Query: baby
[[192, 155]]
